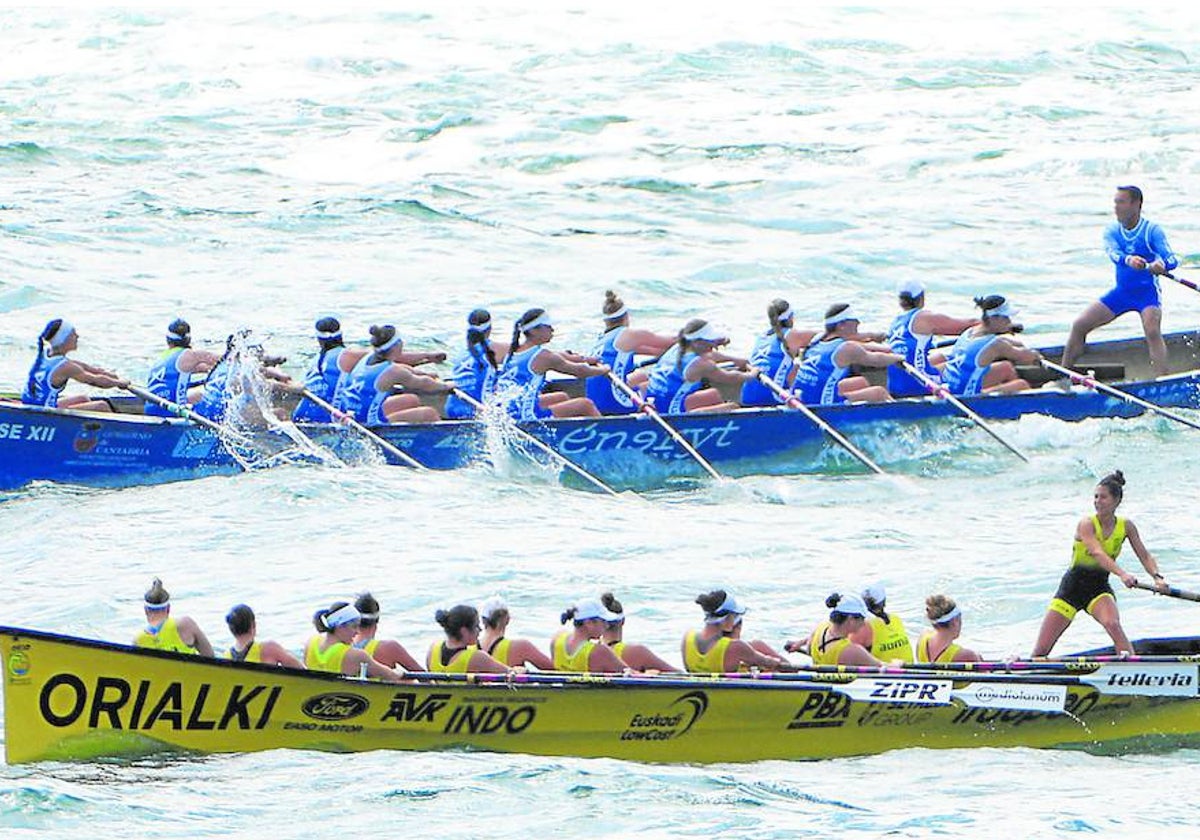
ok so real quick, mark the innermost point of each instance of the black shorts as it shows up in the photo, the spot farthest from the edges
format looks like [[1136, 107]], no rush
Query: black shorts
[[1079, 589]]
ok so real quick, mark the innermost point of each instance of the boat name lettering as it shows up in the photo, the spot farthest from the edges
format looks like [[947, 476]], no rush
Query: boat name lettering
[[591, 438], [339, 706], [489, 719], [65, 698], [21, 431], [404, 707], [821, 709]]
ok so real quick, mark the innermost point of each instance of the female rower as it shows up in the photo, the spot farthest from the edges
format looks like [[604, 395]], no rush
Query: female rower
[[331, 368], [683, 378], [243, 371], [368, 388], [1085, 586], [637, 657], [460, 653], [616, 348], [711, 651], [171, 375], [759, 645], [387, 652], [823, 377], [519, 387], [775, 353], [247, 649], [884, 635], [832, 643], [938, 645], [982, 360], [330, 650], [579, 649], [475, 371], [495, 615], [52, 370], [911, 336], [162, 632]]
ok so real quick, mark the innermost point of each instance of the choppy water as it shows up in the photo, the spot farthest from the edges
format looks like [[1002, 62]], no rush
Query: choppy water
[[261, 167]]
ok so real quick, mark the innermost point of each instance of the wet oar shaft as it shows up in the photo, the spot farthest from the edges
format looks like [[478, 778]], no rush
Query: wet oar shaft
[[1091, 382], [820, 423], [343, 417], [942, 391], [1170, 591], [667, 427]]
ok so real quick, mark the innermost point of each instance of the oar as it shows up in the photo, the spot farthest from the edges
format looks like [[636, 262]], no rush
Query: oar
[[1129, 398], [942, 391], [553, 453], [378, 439], [187, 414], [660, 420], [820, 423], [1169, 591], [1182, 282]]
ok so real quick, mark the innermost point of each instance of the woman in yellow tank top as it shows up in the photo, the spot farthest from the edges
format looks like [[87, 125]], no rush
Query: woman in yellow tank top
[[246, 648], [938, 645], [330, 649], [1098, 541], [495, 615], [388, 652], [579, 648], [713, 650], [162, 632], [884, 634], [832, 642], [459, 653], [638, 657]]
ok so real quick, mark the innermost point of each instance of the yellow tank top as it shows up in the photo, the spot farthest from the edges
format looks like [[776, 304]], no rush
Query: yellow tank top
[[371, 645], [500, 650], [1111, 545], [253, 653], [945, 656], [891, 639], [825, 651], [712, 662], [577, 661], [166, 637], [460, 662], [329, 659], [618, 648]]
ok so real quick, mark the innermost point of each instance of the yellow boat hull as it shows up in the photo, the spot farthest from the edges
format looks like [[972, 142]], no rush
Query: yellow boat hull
[[75, 699]]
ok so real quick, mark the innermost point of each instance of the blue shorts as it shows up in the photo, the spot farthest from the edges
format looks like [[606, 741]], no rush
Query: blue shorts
[[1132, 298]]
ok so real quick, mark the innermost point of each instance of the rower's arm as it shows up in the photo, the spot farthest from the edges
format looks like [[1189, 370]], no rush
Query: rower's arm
[[602, 660], [743, 653], [934, 323], [852, 353], [1006, 348], [706, 369], [1085, 532], [856, 654], [357, 658], [410, 380], [485, 664], [1113, 246], [551, 360], [189, 628], [646, 343], [275, 652], [1149, 563], [421, 358]]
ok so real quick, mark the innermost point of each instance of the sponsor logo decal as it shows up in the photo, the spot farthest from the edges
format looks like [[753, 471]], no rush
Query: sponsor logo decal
[[821, 710], [470, 717], [680, 715], [1077, 705], [336, 706], [86, 438], [18, 664], [1162, 680]]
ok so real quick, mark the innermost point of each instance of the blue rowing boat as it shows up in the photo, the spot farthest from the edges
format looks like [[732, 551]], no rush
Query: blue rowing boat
[[120, 449]]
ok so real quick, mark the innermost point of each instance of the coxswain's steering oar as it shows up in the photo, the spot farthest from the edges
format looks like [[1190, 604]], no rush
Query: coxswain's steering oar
[[1169, 591], [549, 450], [1091, 382], [384, 444], [940, 390], [1181, 281], [660, 420], [820, 423]]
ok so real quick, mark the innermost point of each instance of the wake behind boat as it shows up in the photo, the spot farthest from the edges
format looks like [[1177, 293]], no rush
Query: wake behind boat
[[631, 451], [69, 698]]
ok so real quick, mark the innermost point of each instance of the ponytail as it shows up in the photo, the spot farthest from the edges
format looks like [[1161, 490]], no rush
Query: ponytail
[[42, 341], [778, 307]]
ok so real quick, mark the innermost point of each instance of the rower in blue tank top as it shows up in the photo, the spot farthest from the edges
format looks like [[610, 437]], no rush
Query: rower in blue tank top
[[214, 402], [823, 377], [669, 387], [616, 347], [684, 377], [368, 393], [52, 370], [983, 359], [476, 370], [519, 387], [171, 375], [911, 336], [326, 373], [774, 354]]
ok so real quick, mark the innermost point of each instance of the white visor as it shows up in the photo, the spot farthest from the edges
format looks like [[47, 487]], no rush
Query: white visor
[[484, 327], [911, 288], [788, 315], [730, 606], [948, 617], [389, 344], [1004, 310], [542, 320], [65, 330], [346, 615], [706, 333], [851, 605], [846, 314], [620, 313]]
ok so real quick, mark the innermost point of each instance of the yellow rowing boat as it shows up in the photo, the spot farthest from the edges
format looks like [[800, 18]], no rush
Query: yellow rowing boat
[[67, 698]]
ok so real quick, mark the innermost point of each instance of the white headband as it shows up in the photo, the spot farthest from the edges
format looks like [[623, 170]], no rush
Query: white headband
[[788, 315], [484, 327], [1004, 310], [330, 334], [542, 320], [161, 606], [706, 333], [846, 314], [948, 617], [620, 313], [346, 615], [389, 344], [64, 332], [174, 336]]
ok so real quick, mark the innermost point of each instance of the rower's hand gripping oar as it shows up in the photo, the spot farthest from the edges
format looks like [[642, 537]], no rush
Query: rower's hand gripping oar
[[386, 445], [549, 450], [819, 422], [940, 390], [1169, 591], [660, 420], [1092, 383]]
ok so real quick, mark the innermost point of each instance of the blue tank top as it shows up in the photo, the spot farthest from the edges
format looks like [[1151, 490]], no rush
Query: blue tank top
[[473, 375], [914, 347], [770, 356], [668, 385], [38, 390], [519, 386], [962, 373], [610, 399], [360, 396], [322, 379], [213, 403], [166, 380], [818, 376]]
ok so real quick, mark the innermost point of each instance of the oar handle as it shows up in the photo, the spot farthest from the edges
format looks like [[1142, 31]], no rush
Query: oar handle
[[348, 419], [1169, 591], [671, 431]]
